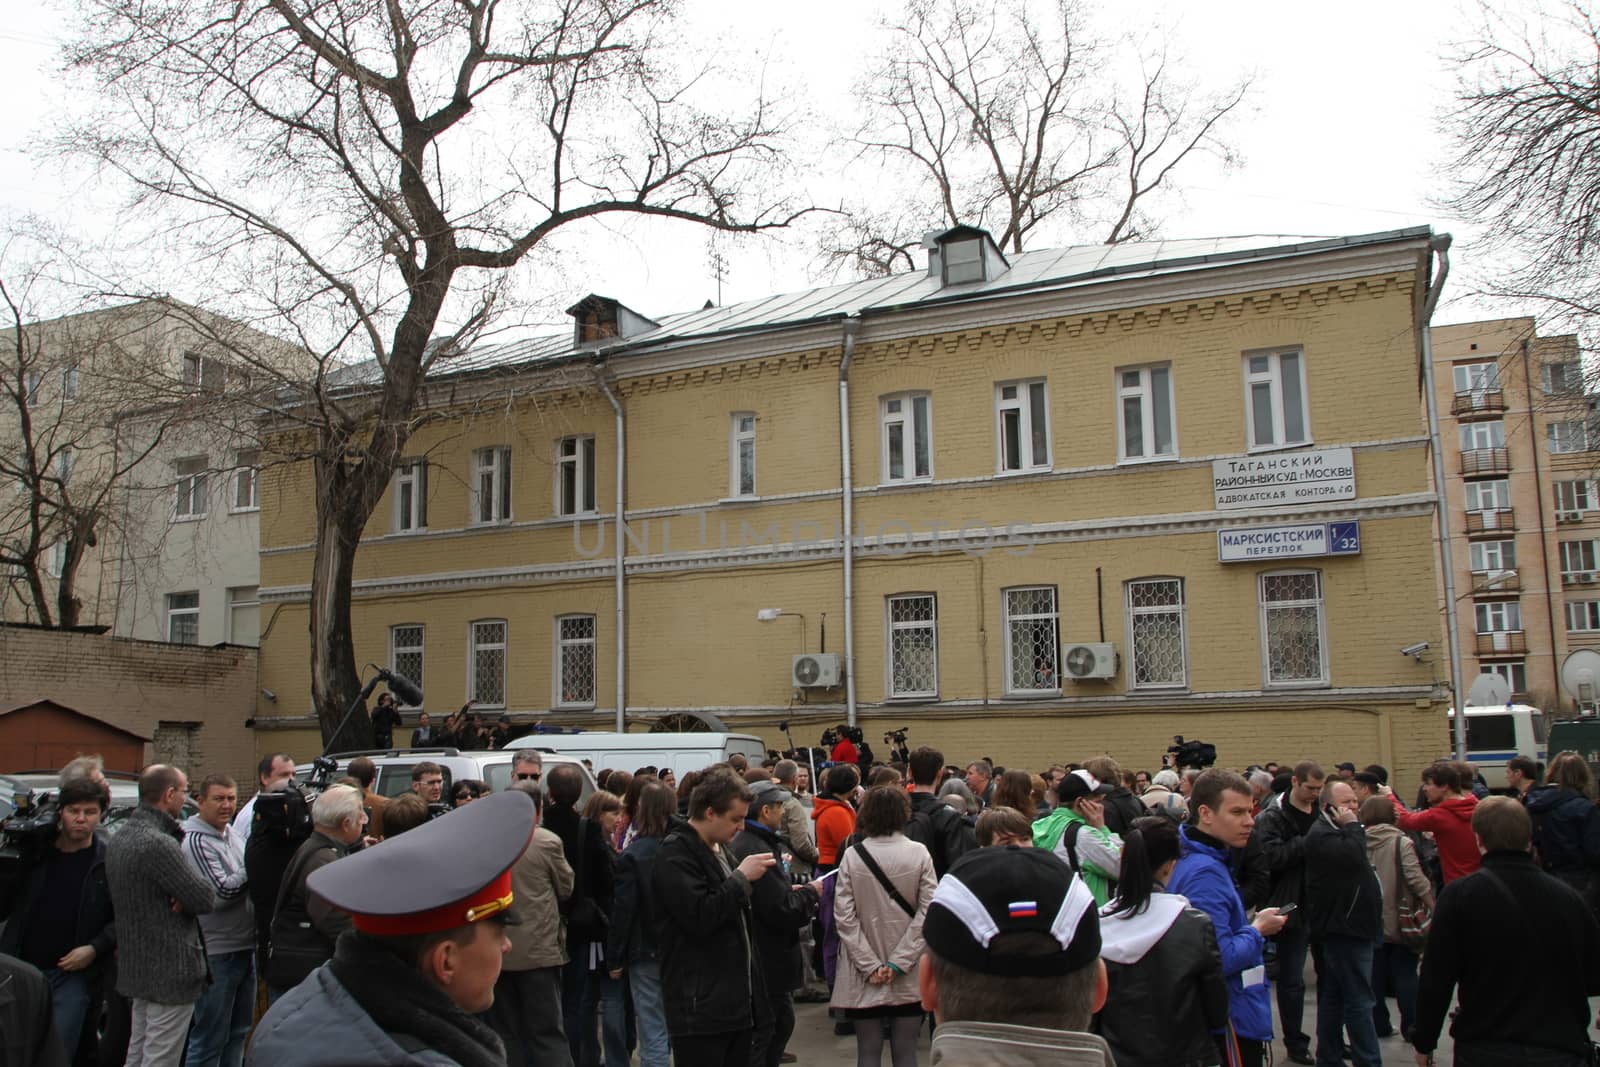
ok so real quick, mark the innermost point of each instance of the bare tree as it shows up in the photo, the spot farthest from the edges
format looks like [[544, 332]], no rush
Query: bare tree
[[1006, 116], [1526, 133], [360, 177]]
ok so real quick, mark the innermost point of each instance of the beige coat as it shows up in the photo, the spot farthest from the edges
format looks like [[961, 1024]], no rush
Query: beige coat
[[540, 880], [1382, 840], [873, 929]]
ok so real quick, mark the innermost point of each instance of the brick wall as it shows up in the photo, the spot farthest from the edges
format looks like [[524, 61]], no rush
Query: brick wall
[[186, 698]]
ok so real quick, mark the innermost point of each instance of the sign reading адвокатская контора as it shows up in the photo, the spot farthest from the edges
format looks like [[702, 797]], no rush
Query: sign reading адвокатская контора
[[1277, 478]]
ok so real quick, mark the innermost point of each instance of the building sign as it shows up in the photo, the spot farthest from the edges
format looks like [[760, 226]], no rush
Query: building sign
[[1280, 478], [1245, 544]]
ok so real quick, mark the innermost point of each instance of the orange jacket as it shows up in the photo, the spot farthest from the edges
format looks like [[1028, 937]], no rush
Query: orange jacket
[[836, 821]]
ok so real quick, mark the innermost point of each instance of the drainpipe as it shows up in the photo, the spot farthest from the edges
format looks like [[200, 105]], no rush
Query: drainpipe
[[852, 326], [620, 595], [1440, 246], [1538, 491]]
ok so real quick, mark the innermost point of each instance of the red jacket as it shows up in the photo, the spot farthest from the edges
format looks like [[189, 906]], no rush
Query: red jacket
[[845, 751], [1451, 823], [836, 821]]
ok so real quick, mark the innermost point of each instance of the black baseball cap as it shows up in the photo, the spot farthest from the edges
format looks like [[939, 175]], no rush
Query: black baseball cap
[[1080, 784], [990, 893]]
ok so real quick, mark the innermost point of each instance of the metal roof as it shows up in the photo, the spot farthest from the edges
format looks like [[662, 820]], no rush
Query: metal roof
[[1043, 270]]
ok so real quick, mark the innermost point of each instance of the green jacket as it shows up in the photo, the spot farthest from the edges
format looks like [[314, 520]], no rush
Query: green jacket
[[1099, 850]]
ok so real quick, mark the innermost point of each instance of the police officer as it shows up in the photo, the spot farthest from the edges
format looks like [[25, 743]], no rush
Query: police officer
[[406, 985]]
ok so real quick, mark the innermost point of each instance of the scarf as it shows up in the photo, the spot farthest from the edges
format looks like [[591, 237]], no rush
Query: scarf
[[402, 1001]]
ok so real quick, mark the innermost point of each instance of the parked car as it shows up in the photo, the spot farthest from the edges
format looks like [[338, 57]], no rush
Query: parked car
[[683, 752], [394, 768], [1496, 734], [124, 794]]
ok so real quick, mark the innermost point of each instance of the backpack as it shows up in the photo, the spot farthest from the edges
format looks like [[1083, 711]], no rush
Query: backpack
[[937, 821], [1069, 842]]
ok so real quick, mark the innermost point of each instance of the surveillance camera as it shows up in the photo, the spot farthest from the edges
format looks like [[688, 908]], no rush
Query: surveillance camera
[[1416, 650]]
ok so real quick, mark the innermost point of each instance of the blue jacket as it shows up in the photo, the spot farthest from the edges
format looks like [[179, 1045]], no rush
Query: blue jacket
[[1202, 876]]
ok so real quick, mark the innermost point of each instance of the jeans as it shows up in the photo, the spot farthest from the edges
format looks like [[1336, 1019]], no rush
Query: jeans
[[655, 1048], [1394, 970], [1344, 1003], [69, 1005], [1293, 943], [583, 994], [224, 1012]]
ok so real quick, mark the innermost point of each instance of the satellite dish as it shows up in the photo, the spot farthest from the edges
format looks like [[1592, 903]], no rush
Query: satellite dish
[[1488, 691], [1580, 676]]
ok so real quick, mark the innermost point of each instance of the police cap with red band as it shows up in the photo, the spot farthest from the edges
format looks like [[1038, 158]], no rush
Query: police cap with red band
[[448, 872]]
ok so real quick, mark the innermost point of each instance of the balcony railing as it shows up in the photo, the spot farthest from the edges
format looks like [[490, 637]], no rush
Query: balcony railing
[[1485, 461], [1502, 643], [1485, 402], [1499, 520], [1501, 581]]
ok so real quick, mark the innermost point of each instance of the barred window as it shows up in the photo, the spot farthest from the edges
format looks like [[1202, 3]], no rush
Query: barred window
[[486, 681], [405, 651], [1156, 625], [1033, 645], [575, 660], [913, 646], [1291, 628]]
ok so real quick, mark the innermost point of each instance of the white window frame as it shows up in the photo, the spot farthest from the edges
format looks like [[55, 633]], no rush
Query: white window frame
[[1272, 378], [1567, 436], [1583, 616], [190, 489], [1491, 431], [32, 383], [1021, 406], [235, 603], [1509, 612], [493, 462], [905, 419], [1579, 557], [69, 382], [1320, 603], [1144, 392], [396, 650], [1181, 610], [1476, 379], [1575, 494], [410, 474], [174, 613], [1053, 616], [889, 628], [1491, 557], [1496, 490], [1571, 376], [562, 644], [580, 466], [739, 435], [474, 646], [1514, 671], [246, 482]]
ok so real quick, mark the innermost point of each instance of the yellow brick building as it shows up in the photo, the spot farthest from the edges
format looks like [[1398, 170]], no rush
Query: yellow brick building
[[1194, 472]]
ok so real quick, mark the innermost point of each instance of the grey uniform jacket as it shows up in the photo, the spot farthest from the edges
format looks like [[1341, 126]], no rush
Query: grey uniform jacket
[[319, 1022]]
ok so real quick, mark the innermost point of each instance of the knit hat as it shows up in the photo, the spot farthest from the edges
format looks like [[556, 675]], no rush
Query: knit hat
[[992, 892]]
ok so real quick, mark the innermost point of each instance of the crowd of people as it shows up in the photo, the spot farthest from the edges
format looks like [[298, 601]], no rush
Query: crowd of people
[[1078, 915]]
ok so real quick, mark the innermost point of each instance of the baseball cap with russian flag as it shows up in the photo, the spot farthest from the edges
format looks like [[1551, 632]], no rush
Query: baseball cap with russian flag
[[991, 894]]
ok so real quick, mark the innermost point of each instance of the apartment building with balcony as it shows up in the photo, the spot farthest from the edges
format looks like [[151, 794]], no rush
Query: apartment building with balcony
[[1034, 507], [1520, 453]]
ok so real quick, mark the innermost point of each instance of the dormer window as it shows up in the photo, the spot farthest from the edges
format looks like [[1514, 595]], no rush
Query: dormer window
[[963, 255], [597, 319], [963, 262]]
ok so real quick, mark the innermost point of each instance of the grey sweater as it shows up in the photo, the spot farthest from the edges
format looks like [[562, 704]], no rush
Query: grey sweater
[[160, 956], [218, 857]]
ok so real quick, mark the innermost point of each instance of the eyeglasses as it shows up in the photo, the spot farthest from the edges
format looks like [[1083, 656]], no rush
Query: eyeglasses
[[527, 777]]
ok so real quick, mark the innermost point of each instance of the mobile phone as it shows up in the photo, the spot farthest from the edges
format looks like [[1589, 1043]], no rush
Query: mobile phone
[[1284, 909]]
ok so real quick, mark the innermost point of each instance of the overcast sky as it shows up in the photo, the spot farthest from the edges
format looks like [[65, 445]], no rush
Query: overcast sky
[[1340, 136]]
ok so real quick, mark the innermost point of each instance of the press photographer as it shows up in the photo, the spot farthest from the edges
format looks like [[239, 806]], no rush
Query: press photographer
[[58, 907]]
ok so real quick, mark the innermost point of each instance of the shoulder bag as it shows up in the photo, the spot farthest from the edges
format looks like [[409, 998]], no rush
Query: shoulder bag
[[1415, 916], [883, 879]]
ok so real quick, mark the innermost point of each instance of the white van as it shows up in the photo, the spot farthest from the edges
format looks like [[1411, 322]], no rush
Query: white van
[[629, 752], [1496, 734]]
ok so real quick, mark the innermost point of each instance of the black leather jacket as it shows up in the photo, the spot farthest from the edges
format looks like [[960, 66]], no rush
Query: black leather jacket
[[1163, 1007], [95, 926]]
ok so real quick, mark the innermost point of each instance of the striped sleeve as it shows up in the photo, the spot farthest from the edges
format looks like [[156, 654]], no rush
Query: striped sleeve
[[202, 852]]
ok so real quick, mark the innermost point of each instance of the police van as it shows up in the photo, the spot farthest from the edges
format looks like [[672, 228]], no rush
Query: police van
[[1496, 734]]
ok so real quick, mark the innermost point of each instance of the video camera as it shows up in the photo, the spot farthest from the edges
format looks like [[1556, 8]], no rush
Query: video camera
[[899, 750], [1185, 754]]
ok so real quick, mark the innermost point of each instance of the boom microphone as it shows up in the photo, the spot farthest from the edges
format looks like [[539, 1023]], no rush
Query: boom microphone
[[402, 687]]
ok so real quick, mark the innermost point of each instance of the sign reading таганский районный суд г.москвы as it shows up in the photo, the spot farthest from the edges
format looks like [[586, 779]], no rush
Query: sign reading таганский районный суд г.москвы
[[1278, 478]]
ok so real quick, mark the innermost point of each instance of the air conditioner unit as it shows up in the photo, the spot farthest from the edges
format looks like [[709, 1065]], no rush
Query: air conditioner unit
[[1092, 661], [815, 670], [1569, 516], [1586, 577]]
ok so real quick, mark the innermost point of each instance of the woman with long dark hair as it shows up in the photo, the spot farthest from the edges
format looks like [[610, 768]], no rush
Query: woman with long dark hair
[[631, 939], [1167, 992]]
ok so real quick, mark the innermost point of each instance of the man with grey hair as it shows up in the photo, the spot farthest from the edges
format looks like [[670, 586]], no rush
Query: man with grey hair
[[305, 926], [796, 830], [156, 896], [980, 779], [527, 767], [1260, 787]]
